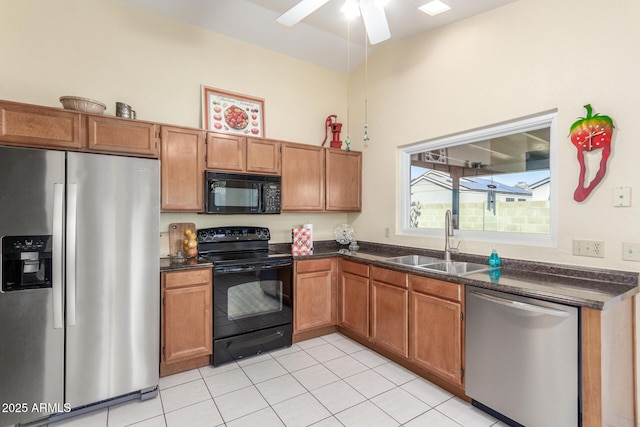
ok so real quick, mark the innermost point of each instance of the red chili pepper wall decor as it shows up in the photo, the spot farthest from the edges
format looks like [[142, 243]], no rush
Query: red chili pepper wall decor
[[588, 134]]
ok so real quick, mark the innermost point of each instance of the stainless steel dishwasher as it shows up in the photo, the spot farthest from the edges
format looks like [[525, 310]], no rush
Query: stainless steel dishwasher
[[522, 358]]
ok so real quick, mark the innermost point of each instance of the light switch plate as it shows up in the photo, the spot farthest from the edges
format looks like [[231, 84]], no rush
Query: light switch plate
[[631, 251], [621, 196]]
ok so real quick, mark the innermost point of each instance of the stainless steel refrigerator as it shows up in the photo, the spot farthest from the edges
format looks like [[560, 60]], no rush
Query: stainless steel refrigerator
[[79, 301]]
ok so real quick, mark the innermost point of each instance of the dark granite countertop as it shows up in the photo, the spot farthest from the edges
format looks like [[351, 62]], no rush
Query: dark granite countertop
[[167, 265], [571, 285]]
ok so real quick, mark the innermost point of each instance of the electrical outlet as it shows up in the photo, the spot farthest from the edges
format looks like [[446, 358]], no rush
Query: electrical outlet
[[631, 251], [386, 232], [592, 248]]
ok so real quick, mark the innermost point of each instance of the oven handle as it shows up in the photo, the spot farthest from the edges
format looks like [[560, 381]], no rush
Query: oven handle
[[521, 305], [252, 267], [228, 270]]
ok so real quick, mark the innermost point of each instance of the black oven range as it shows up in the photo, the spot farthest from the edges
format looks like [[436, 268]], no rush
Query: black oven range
[[252, 292]]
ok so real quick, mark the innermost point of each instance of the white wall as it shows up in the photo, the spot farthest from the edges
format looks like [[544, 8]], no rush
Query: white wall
[[481, 71], [109, 51], [525, 58]]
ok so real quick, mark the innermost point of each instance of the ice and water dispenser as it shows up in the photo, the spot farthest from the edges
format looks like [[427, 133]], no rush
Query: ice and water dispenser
[[26, 262]]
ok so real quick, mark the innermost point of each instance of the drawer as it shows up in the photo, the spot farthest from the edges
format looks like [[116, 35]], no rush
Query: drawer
[[354, 268], [390, 277], [178, 279], [438, 288], [311, 265]]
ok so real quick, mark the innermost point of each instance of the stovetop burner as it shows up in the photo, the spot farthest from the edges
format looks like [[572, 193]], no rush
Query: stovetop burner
[[237, 245]]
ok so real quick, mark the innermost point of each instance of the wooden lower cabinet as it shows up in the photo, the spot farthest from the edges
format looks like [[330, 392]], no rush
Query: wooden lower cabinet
[[314, 294], [435, 327], [186, 320], [608, 357], [353, 297], [390, 310]]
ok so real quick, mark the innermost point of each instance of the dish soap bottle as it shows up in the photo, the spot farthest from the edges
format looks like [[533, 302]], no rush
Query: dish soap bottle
[[494, 259]]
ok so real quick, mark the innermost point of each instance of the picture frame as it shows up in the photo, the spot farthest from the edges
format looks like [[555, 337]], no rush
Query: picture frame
[[232, 113]]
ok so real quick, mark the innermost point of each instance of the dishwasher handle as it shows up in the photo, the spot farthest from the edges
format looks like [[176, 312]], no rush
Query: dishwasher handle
[[521, 305]]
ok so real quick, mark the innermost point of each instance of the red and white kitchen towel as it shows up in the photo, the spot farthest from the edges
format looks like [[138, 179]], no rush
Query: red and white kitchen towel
[[302, 243]]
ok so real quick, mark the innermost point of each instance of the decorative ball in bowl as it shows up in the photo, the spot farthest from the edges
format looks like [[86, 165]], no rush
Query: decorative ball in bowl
[[85, 105]]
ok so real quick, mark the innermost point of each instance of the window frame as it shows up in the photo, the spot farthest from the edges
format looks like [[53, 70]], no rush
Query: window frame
[[547, 119]]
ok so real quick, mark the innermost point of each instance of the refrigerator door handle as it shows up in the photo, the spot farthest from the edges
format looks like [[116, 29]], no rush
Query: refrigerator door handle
[[72, 213], [58, 230]]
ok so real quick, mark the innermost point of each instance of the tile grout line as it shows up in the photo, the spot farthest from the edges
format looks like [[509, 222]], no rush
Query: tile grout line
[[271, 357]]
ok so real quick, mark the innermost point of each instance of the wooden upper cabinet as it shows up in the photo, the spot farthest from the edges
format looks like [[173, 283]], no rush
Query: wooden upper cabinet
[[344, 180], [263, 156], [226, 152], [36, 126], [122, 136], [303, 168], [182, 169], [241, 154]]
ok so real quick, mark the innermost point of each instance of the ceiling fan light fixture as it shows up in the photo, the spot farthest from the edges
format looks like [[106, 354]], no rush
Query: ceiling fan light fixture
[[434, 7], [350, 9]]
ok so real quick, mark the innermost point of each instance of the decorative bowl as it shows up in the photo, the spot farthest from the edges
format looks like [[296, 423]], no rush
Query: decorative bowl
[[85, 105]]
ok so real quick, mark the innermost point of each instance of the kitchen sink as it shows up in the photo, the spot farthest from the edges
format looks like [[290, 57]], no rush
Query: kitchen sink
[[437, 265], [456, 268], [413, 260]]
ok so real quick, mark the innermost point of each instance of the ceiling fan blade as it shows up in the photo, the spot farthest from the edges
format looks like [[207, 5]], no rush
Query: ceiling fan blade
[[375, 22], [300, 11]]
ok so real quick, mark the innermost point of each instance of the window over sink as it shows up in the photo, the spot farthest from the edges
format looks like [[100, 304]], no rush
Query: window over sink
[[498, 181]]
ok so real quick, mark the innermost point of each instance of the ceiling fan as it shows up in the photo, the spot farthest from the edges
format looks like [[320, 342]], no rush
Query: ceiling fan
[[372, 11]]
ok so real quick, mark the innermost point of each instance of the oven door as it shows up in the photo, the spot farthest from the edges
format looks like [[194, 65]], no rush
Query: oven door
[[252, 309]]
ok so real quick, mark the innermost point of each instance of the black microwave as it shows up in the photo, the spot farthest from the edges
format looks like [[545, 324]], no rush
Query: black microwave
[[232, 193]]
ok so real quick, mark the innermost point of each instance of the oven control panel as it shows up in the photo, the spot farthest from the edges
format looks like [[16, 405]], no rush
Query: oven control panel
[[231, 234]]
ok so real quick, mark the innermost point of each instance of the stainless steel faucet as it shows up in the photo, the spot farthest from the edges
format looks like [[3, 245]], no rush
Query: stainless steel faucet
[[448, 232]]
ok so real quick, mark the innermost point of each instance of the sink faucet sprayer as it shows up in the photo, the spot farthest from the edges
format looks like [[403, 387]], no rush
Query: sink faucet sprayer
[[448, 232]]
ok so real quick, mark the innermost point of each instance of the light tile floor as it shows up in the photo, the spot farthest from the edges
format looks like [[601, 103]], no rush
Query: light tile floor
[[324, 382]]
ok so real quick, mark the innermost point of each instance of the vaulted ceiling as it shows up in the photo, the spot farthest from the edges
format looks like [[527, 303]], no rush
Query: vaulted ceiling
[[321, 38]]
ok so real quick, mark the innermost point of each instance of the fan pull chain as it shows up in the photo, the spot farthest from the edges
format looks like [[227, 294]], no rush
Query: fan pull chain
[[347, 141], [366, 93]]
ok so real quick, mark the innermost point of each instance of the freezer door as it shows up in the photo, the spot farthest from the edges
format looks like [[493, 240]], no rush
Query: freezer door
[[31, 348], [112, 298]]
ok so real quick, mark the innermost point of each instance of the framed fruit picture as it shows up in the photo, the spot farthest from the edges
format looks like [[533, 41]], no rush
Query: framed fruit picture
[[234, 113]]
